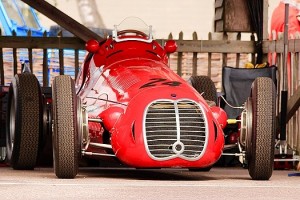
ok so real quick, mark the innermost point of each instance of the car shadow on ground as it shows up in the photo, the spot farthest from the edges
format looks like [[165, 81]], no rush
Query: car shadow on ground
[[144, 174]]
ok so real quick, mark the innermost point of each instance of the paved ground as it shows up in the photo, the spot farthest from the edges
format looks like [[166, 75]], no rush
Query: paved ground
[[114, 183]]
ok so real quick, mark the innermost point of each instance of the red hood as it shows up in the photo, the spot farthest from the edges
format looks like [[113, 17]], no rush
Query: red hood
[[128, 78]]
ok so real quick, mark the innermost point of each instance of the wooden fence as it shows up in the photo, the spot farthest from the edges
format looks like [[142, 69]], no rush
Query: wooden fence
[[47, 55]]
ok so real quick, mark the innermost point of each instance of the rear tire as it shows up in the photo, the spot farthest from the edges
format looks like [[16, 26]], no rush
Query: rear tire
[[66, 149], [203, 84], [24, 124], [261, 133]]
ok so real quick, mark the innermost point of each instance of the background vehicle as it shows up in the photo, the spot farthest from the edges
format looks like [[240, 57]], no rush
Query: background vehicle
[[129, 105], [18, 17]]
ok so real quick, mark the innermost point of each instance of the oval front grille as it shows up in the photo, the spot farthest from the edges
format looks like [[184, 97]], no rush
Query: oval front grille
[[175, 129]]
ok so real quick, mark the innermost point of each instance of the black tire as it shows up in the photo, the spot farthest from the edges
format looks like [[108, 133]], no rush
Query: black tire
[[24, 121], [203, 84], [261, 131], [66, 149]]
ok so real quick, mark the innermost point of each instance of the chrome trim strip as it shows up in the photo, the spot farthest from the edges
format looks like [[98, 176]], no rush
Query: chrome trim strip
[[95, 120], [96, 154], [177, 122], [108, 146]]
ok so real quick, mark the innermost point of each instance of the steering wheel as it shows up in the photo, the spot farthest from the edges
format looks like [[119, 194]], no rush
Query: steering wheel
[[132, 31]]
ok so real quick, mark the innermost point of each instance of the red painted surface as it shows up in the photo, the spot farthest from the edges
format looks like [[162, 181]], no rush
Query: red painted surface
[[117, 84]]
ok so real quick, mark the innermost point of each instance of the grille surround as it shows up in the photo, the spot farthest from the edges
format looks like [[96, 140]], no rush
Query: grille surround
[[175, 128]]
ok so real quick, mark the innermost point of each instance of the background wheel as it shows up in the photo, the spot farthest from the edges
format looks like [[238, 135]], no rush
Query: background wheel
[[203, 84], [261, 138], [24, 121], [66, 147]]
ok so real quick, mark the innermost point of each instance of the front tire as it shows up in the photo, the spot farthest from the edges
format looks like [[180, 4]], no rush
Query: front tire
[[261, 132], [65, 133], [24, 121]]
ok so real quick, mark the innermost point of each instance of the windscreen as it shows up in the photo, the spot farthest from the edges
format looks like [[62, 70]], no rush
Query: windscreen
[[133, 23]]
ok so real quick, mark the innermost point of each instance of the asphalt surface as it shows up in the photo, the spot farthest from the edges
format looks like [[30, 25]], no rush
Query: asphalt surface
[[126, 183]]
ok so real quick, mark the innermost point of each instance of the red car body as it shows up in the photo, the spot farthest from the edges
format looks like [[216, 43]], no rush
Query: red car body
[[154, 117]]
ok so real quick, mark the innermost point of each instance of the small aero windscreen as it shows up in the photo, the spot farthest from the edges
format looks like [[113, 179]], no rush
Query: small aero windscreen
[[132, 23]]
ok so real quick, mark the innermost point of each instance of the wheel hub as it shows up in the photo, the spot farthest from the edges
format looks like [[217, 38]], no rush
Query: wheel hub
[[82, 122]]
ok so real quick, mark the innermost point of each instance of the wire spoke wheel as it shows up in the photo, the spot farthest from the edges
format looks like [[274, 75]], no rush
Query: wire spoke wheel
[[261, 129], [66, 148]]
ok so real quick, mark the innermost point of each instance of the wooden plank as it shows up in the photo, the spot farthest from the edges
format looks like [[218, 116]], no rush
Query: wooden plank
[[61, 61], [209, 58], [76, 62], [61, 56], [265, 19], [219, 14], [45, 65], [41, 42], [195, 54], [30, 53], [238, 55], [15, 65], [63, 20], [216, 46], [30, 59], [296, 45], [224, 55], [218, 3], [219, 26], [253, 56], [277, 46], [265, 26], [179, 59]]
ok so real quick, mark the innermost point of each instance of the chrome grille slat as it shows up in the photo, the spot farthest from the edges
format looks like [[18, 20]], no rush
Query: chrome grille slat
[[167, 131], [187, 146], [149, 127], [161, 140], [198, 136], [166, 145], [157, 118], [189, 126], [163, 155], [167, 123], [159, 150], [151, 136], [189, 140], [191, 117], [183, 131], [160, 122]]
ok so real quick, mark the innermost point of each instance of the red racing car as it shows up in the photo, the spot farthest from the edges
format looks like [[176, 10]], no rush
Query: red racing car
[[126, 103]]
